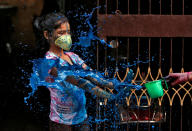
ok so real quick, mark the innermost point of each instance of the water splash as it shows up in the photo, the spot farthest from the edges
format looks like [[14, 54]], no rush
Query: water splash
[[42, 66], [86, 38]]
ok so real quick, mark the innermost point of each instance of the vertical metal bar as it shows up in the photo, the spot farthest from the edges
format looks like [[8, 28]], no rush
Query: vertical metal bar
[[137, 126], [138, 49], [106, 7], [127, 118], [183, 8], [138, 65], [99, 124], [117, 53], [170, 113], [171, 7], [97, 56], [160, 119], [97, 100], [138, 120], [104, 124], [97, 62], [97, 113], [128, 7], [181, 118], [105, 57], [149, 124], [149, 6], [97, 8], [171, 61], [139, 7], [117, 4], [183, 52], [128, 50], [149, 52], [160, 53], [160, 6]]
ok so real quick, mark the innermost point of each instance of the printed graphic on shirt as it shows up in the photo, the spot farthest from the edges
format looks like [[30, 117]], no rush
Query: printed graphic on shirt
[[65, 107]]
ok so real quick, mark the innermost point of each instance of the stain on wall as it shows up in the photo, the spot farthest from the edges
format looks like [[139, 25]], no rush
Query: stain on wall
[[22, 20]]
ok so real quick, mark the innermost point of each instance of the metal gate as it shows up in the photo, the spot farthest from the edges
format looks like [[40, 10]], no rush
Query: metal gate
[[154, 37]]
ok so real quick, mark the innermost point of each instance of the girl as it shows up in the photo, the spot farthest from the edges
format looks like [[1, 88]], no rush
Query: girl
[[67, 108]]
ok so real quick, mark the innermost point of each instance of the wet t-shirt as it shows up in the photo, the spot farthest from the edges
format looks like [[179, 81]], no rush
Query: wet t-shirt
[[67, 105]]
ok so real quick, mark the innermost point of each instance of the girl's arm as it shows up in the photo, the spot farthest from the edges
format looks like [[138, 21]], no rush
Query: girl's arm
[[88, 86], [84, 84]]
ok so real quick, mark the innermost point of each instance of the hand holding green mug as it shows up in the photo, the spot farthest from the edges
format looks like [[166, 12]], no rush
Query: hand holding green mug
[[179, 78]]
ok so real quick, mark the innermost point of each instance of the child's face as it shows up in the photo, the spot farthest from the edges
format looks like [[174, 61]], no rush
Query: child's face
[[64, 29]]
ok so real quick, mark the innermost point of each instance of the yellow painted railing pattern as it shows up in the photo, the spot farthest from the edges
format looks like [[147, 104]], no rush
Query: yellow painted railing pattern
[[186, 87]]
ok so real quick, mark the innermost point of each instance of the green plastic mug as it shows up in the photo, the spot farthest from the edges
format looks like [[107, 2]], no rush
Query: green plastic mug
[[155, 88]]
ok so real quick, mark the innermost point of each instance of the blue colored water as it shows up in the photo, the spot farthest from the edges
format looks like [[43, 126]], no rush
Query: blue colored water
[[86, 38], [42, 66]]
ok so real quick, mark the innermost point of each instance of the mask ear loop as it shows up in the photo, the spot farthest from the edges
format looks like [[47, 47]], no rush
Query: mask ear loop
[[61, 52]]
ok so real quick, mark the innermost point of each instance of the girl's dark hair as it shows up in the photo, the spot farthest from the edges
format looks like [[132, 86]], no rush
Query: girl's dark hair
[[49, 23]]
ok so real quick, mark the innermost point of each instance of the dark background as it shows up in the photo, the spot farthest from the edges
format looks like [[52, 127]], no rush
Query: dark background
[[16, 68]]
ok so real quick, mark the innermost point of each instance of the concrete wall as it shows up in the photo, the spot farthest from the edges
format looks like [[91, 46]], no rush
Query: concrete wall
[[22, 20]]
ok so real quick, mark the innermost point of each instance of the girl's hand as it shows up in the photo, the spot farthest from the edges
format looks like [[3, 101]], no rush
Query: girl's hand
[[53, 72], [85, 67]]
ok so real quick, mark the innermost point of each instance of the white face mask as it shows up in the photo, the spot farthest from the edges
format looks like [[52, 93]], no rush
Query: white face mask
[[64, 41]]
